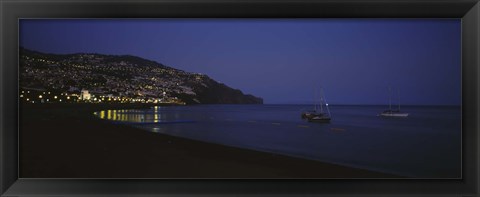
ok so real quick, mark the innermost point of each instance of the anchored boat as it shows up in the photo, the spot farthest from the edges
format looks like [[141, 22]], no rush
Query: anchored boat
[[393, 112], [318, 114]]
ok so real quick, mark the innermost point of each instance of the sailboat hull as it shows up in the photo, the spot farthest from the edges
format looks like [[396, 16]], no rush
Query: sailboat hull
[[309, 115], [394, 114], [319, 120]]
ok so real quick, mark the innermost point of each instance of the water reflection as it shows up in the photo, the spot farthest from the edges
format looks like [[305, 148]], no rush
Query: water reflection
[[156, 114]]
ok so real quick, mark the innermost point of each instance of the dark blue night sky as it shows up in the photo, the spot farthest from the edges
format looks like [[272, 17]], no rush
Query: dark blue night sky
[[281, 60]]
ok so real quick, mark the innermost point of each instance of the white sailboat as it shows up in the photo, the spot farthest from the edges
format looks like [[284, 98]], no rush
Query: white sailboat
[[393, 112]]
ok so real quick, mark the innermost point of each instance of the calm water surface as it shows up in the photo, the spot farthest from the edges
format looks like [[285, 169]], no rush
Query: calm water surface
[[427, 144]]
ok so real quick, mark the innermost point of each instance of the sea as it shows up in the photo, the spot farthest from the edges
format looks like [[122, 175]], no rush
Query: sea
[[425, 145]]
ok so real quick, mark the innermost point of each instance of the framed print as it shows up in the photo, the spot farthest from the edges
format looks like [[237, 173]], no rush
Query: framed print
[[239, 98]]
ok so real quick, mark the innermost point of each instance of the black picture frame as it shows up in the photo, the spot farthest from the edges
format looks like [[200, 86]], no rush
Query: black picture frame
[[11, 11]]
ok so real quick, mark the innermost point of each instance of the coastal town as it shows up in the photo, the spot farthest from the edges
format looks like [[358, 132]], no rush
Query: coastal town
[[101, 79], [97, 78]]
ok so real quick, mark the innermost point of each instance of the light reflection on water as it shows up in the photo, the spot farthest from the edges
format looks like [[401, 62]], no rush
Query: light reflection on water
[[427, 144], [147, 116]]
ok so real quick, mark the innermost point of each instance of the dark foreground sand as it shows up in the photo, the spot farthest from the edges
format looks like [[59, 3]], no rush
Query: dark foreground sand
[[67, 141]]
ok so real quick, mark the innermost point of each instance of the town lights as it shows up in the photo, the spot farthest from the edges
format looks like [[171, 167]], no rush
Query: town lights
[[39, 96], [55, 97]]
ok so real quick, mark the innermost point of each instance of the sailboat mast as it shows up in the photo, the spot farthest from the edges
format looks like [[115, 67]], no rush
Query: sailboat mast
[[321, 101], [326, 104], [398, 99], [390, 98]]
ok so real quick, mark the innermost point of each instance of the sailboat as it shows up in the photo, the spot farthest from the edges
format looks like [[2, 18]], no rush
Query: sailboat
[[393, 112], [311, 113], [318, 115]]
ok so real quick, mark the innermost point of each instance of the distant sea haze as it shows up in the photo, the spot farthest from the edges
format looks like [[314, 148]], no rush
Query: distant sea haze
[[312, 103]]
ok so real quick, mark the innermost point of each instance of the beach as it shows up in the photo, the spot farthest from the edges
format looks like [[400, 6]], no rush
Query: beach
[[68, 141]]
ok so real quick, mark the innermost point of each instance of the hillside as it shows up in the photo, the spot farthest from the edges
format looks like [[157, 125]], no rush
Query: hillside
[[123, 76]]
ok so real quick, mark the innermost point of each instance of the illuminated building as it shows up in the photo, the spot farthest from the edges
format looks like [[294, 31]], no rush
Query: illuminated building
[[84, 95]]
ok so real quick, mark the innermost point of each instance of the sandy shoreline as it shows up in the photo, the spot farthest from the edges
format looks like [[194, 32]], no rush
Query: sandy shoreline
[[67, 141]]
